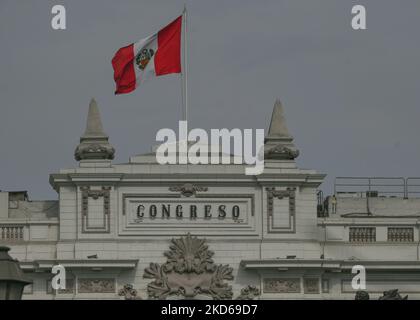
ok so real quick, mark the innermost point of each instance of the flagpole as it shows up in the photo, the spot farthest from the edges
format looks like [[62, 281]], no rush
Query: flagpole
[[184, 71]]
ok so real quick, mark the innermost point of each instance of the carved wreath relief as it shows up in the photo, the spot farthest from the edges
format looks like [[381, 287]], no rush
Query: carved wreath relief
[[188, 272], [128, 292], [188, 189]]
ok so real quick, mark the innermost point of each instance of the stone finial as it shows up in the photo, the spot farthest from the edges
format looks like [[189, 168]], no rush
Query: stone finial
[[94, 124], [94, 143], [278, 142], [278, 126]]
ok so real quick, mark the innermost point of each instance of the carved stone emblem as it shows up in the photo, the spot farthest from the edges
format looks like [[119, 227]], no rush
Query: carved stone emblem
[[248, 293], [189, 271], [392, 295], [188, 189], [128, 292]]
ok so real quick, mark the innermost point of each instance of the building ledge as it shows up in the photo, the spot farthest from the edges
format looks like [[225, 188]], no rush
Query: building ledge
[[328, 264], [371, 220], [40, 265]]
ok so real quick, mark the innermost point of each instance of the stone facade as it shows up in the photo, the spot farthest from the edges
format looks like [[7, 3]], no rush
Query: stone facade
[[141, 230]]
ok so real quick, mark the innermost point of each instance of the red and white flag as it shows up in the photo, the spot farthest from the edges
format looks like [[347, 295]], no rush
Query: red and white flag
[[156, 55]]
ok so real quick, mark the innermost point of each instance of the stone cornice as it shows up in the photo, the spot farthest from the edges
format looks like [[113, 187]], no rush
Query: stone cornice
[[27, 222], [79, 263], [308, 179], [328, 264], [394, 220]]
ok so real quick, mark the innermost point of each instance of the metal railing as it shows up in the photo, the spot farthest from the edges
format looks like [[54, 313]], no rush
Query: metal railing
[[412, 187], [378, 186]]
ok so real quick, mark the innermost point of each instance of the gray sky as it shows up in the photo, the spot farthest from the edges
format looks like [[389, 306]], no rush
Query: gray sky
[[351, 97]]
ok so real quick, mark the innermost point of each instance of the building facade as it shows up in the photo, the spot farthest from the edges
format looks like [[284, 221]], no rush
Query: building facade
[[141, 230]]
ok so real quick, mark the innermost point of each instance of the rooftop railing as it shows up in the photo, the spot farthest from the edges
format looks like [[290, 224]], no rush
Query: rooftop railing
[[378, 187]]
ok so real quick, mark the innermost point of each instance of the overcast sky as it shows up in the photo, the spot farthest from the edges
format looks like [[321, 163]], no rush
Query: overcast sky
[[351, 98]]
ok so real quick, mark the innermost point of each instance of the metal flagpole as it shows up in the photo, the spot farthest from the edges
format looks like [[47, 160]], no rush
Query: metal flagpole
[[184, 71]]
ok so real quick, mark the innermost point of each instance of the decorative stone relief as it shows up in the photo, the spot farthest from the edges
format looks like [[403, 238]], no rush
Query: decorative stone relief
[[392, 295], [361, 295], [128, 292], [286, 285], [96, 286], [188, 189], [272, 194], [189, 271], [94, 151], [249, 293], [311, 285], [95, 194], [387, 295], [281, 152]]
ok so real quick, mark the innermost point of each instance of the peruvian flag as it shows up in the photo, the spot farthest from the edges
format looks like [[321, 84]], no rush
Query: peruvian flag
[[156, 55]]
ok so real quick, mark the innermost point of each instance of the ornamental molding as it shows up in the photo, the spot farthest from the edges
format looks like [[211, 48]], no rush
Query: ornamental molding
[[94, 151], [189, 271], [285, 285], [95, 195], [281, 152], [96, 286], [272, 194], [188, 189]]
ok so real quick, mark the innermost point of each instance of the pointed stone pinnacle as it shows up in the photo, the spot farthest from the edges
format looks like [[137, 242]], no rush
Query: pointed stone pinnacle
[[94, 143], [94, 124], [278, 126], [278, 144]]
